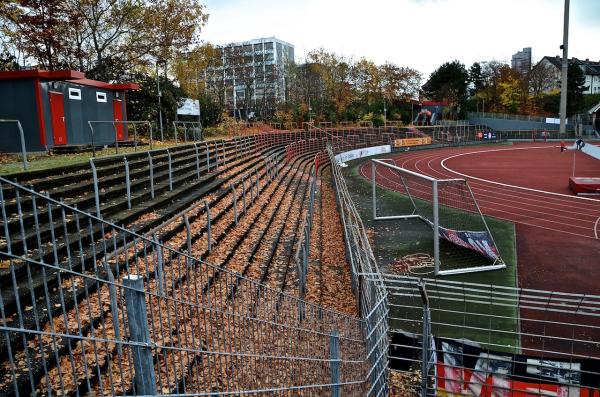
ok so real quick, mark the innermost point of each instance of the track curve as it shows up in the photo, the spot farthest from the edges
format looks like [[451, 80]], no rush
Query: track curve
[[556, 232]]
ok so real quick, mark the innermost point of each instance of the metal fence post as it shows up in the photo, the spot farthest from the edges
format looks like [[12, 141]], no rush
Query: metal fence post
[[334, 354], [425, 340], [208, 228], [22, 137], [170, 171], [96, 192], [159, 266], [436, 225], [216, 155], [116, 138], [151, 168], [207, 158], [127, 182], [244, 194], [137, 318], [112, 293], [374, 189], [235, 212], [150, 135], [188, 235], [197, 161], [92, 138]]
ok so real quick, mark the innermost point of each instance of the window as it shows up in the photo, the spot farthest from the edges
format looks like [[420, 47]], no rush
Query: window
[[75, 93], [101, 96]]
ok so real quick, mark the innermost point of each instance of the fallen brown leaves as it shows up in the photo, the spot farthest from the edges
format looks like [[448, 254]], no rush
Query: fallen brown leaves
[[332, 288], [404, 384]]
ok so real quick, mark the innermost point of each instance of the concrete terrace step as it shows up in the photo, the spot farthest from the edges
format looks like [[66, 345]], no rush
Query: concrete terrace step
[[82, 194]]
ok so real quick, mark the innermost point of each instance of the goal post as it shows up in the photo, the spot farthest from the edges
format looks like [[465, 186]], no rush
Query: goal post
[[462, 241]]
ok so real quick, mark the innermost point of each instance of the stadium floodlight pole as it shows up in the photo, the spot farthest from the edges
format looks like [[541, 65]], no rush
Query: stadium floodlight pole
[[565, 70]]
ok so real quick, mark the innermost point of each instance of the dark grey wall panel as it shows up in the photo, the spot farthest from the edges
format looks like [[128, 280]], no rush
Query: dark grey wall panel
[[18, 102]]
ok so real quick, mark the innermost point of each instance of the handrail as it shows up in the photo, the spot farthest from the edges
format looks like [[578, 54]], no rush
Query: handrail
[[22, 135]]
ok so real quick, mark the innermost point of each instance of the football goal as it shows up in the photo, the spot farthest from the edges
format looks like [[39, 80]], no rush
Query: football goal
[[462, 241]]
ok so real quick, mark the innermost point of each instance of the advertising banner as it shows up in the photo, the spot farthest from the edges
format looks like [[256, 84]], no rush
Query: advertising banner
[[467, 370], [360, 153], [189, 107], [412, 141], [481, 242], [477, 241]]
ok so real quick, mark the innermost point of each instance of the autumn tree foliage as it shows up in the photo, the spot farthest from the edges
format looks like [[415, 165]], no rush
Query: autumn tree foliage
[[334, 88], [496, 87], [104, 38]]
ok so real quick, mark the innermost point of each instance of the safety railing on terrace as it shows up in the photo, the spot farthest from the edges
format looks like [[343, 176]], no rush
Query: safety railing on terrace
[[506, 116], [302, 255], [367, 285], [491, 340], [132, 316]]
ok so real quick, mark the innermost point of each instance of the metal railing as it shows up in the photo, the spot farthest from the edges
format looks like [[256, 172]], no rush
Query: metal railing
[[506, 116], [22, 137], [370, 291], [115, 124], [508, 340], [129, 315], [196, 130]]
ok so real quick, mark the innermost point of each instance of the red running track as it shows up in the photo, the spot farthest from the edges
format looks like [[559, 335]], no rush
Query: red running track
[[527, 184]]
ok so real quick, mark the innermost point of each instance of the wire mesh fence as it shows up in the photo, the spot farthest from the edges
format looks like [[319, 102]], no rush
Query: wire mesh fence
[[371, 295], [488, 340], [90, 308], [99, 310]]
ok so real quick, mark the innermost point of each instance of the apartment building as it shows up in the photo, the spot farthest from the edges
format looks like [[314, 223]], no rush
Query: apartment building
[[252, 73]]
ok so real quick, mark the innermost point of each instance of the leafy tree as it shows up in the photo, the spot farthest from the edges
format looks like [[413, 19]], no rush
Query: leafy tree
[[8, 61], [448, 82], [540, 79], [101, 37], [512, 93], [575, 88], [476, 78], [399, 83], [40, 28], [576, 101], [142, 104]]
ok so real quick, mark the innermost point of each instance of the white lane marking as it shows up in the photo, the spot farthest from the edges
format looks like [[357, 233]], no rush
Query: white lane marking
[[510, 219], [506, 184], [596, 227]]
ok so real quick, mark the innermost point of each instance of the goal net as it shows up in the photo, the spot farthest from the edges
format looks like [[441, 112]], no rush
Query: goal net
[[461, 241]]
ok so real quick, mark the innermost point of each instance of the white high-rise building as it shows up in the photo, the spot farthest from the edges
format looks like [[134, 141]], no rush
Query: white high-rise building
[[252, 74], [521, 61]]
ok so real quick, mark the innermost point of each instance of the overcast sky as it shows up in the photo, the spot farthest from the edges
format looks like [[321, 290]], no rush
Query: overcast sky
[[421, 34]]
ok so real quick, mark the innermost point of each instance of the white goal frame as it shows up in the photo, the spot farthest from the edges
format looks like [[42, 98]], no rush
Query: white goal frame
[[498, 264]]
